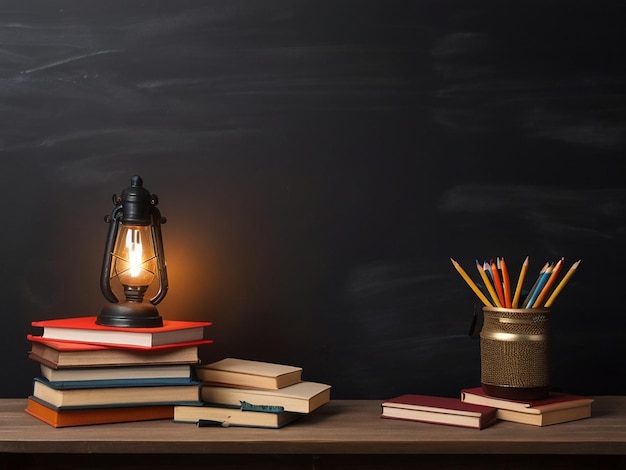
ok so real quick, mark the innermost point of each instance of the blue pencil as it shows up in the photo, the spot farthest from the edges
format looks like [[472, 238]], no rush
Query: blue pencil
[[536, 290]]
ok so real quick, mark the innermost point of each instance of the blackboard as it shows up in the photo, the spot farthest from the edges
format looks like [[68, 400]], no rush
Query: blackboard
[[319, 162]]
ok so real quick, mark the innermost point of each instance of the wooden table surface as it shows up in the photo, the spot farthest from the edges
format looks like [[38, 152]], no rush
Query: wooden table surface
[[340, 427]]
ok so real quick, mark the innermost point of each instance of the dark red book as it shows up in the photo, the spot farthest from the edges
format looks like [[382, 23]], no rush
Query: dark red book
[[86, 330], [439, 410]]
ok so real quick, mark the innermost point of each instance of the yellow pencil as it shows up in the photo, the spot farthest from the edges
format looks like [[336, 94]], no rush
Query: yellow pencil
[[470, 283], [520, 283], [488, 285], [564, 281], [546, 289]]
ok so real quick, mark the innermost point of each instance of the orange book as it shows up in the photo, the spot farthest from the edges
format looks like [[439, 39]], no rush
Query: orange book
[[87, 416]]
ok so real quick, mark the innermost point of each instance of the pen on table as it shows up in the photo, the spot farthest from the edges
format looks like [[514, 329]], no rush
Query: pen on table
[[497, 282], [211, 423], [471, 283], [488, 285], [506, 282], [564, 281], [534, 287], [548, 285], [520, 283]]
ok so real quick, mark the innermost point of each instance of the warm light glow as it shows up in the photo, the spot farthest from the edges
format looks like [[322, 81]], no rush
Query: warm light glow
[[133, 245], [134, 256]]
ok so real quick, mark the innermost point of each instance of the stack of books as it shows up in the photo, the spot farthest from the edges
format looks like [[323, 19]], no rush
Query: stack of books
[[241, 392], [94, 374], [557, 408]]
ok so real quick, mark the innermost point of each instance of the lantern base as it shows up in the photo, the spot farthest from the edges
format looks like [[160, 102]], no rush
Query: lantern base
[[130, 315]]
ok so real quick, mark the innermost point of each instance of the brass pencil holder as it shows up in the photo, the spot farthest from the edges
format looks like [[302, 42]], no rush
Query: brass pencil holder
[[514, 353]]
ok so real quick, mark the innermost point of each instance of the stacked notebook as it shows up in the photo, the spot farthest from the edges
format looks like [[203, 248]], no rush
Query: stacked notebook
[[240, 392], [94, 374]]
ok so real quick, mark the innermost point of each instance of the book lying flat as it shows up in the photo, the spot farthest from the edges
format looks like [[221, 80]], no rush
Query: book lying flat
[[110, 396], [88, 416], [546, 418], [302, 397], [556, 401], [170, 371], [85, 329], [229, 416], [438, 410], [59, 354], [246, 373]]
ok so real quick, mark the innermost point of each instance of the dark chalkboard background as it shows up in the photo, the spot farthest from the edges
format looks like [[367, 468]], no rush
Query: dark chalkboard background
[[318, 163]]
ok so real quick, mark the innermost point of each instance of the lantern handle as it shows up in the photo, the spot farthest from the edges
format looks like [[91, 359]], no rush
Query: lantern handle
[[105, 284], [157, 220]]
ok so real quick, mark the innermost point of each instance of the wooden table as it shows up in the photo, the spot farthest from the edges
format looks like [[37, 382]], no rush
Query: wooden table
[[342, 434]]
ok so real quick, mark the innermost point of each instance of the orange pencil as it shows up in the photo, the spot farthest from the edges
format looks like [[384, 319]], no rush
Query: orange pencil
[[520, 283], [497, 282], [546, 289], [506, 282], [564, 281]]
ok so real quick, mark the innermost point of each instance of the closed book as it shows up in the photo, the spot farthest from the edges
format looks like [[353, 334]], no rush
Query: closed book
[[158, 372], [555, 401], [89, 416], [546, 418], [63, 354], [229, 416], [110, 396], [85, 329], [247, 373], [303, 397], [438, 410], [117, 383]]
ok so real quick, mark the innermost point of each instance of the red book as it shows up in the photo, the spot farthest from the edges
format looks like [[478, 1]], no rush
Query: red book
[[86, 330], [439, 410]]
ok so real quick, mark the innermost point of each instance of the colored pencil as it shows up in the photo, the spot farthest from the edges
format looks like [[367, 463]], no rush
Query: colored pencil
[[561, 284], [546, 288], [488, 284], [520, 283], [471, 283], [506, 283], [534, 287], [541, 281], [497, 282]]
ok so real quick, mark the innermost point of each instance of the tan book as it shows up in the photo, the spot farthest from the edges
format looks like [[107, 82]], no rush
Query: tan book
[[221, 416], [68, 398], [555, 401], [546, 418], [302, 397], [247, 373]]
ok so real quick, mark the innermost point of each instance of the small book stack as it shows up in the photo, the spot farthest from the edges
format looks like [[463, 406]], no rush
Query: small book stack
[[240, 392], [557, 408], [94, 374]]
